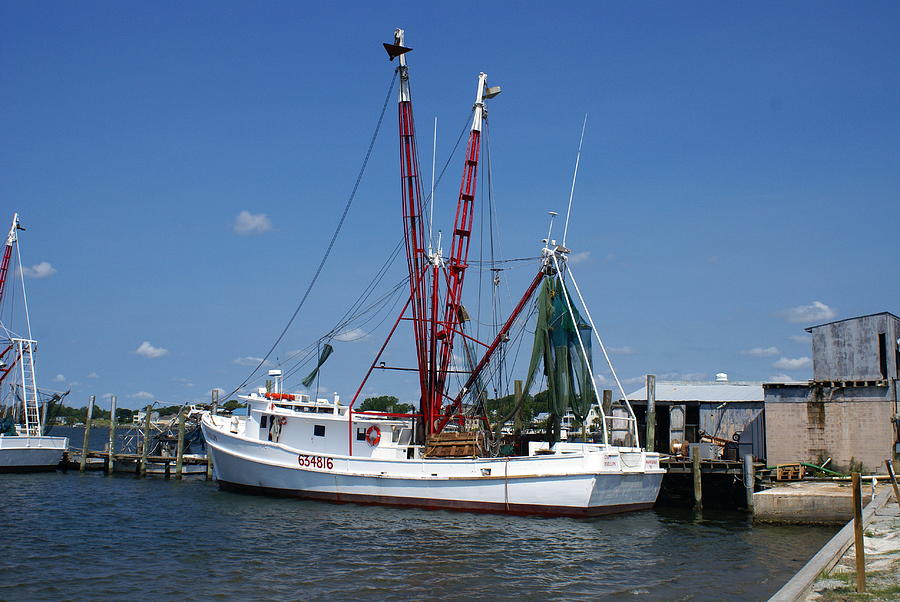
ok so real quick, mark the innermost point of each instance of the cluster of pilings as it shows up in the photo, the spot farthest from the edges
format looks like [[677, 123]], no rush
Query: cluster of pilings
[[142, 459]]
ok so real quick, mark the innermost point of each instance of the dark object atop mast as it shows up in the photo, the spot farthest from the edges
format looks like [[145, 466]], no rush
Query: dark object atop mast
[[395, 50]]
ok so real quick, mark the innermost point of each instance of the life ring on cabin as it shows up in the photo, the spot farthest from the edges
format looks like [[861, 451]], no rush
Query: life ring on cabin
[[282, 421], [373, 435]]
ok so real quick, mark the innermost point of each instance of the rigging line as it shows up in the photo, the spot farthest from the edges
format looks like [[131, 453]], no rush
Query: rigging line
[[574, 175], [24, 294], [477, 262], [334, 236]]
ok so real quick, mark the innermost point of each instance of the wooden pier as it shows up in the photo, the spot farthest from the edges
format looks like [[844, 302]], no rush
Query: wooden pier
[[689, 480]]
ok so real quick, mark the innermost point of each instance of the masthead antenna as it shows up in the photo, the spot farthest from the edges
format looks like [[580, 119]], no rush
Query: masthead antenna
[[574, 176], [552, 215], [431, 208]]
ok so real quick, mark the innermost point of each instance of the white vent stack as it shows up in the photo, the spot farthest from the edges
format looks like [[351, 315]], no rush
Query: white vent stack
[[276, 374], [721, 377]]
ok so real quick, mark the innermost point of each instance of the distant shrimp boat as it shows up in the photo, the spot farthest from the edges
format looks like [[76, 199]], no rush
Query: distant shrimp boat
[[23, 447], [445, 456]]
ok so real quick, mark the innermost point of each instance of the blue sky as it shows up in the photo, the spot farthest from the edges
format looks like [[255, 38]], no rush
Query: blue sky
[[740, 162]]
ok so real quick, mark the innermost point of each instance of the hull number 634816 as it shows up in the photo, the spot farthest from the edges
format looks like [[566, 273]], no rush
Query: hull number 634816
[[315, 461]]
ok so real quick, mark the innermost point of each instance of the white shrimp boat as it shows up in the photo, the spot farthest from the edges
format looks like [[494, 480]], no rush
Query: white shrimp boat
[[23, 447], [446, 456]]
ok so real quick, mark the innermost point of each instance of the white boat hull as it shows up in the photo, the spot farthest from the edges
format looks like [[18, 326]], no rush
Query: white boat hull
[[591, 483], [20, 453]]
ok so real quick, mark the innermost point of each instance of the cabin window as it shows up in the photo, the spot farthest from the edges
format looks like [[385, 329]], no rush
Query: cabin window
[[395, 435], [262, 421], [360, 434], [319, 430]]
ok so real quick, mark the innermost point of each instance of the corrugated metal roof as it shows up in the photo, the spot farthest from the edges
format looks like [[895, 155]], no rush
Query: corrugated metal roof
[[881, 313], [714, 392]]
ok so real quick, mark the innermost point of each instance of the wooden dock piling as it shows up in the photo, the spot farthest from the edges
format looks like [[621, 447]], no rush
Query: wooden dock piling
[[111, 447], [698, 483], [86, 441], [749, 479], [179, 454], [145, 450], [650, 444], [859, 544]]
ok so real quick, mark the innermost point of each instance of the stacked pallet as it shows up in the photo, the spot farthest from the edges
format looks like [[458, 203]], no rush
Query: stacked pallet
[[452, 445], [789, 472]]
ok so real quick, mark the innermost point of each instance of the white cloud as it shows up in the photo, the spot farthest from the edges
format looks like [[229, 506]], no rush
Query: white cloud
[[93, 375], [761, 351], [142, 395], [249, 360], [622, 350], [601, 379], [107, 396], [59, 378], [803, 339], [786, 363], [219, 390], [147, 350], [814, 312], [74, 383], [354, 334], [39, 270], [579, 257], [781, 378], [251, 223]]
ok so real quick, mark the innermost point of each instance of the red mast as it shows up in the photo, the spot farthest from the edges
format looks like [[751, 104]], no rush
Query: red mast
[[436, 316], [414, 226], [459, 245]]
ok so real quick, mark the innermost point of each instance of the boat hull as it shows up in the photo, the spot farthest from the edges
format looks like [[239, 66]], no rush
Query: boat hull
[[31, 454], [548, 485]]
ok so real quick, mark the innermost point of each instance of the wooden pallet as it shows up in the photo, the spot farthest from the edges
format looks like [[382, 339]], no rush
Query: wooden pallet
[[452, 445], [789, 472]]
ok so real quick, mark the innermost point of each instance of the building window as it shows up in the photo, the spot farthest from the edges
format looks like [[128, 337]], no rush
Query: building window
[[360, 434], [882, 355], [319, 430]]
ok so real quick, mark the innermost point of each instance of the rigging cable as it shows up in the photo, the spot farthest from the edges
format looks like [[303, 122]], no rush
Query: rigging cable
[[334, 236]]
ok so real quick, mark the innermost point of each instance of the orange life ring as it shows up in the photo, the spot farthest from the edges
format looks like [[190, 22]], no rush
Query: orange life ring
[[373, 435], [282, 421]]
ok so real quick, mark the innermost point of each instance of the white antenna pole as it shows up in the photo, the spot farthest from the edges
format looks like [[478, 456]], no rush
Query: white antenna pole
[[431, 209], [574, 176]]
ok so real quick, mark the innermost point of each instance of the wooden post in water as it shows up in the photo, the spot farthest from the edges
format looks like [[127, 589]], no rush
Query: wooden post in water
[[650, 444], [111, 446], [179, 454], [87, 434], [212, 412], [698, 482], [859, 544], [890, 469], [145, 450], [749, 479]]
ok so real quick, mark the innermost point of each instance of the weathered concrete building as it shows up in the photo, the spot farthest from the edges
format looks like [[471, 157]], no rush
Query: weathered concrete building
[[849, 410]]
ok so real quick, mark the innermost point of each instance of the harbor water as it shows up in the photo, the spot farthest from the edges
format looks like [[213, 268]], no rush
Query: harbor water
[[88, 536]]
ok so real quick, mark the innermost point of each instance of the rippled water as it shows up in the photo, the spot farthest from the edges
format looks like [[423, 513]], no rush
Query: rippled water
[[80, 536]]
